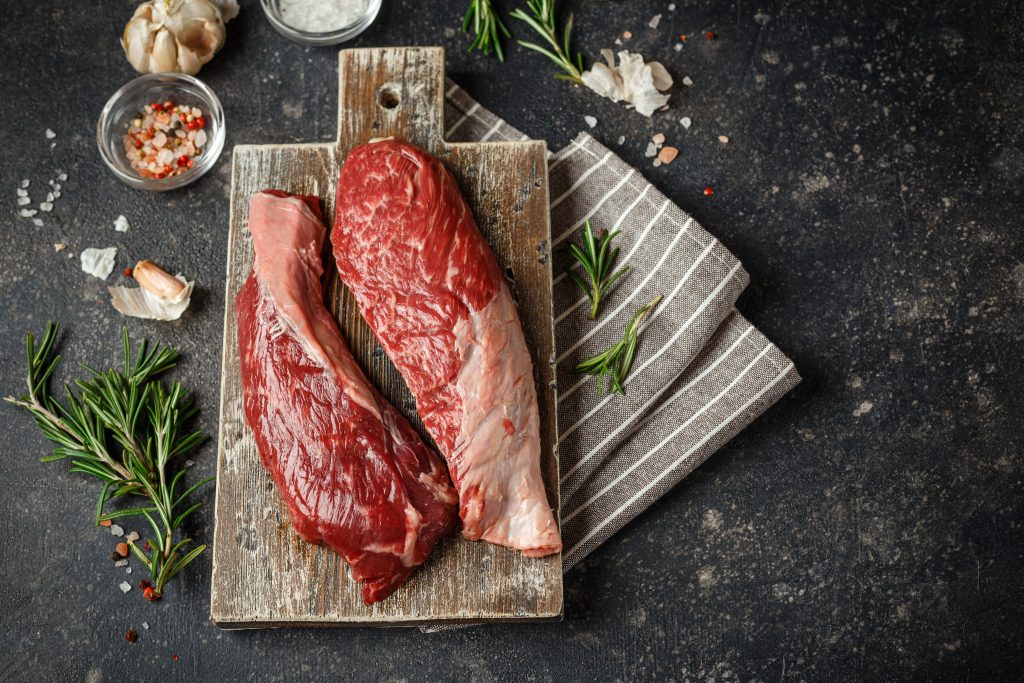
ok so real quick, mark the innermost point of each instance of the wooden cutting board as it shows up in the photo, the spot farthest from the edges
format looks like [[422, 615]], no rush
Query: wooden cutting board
[[264, 574]]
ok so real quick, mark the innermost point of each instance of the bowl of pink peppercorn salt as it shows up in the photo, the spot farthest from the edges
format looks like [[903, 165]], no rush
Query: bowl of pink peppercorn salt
[[161, 131]]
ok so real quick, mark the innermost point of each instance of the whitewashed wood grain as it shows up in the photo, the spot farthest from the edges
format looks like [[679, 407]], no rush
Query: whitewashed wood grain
[[264, 574]]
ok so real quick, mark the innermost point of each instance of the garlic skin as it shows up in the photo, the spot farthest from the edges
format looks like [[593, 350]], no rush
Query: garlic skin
[[173, 35], [159, 296], [632, 81]]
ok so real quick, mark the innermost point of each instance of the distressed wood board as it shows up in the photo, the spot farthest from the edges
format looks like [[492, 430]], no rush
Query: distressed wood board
[[264, 574]]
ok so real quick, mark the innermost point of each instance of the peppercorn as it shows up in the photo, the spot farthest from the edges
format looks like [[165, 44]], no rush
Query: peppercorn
[[708, 191], [114, 557], [122, 549], [201, 122], [710, 35], [127, 272], [105, 522], [144, 584], [131, 636], [150, 594], [682, 38]]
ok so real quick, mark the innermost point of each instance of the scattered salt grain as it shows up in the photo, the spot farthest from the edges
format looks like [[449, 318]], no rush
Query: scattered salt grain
[[38, 222], [687, 81], [21, 193], [46, 206], [121, 224], [724, 139], [132, 536], [686, 122], [115, 530], [128, 570], [50, 197], [655, 20], [667, 155], [62, 177], [59, 246], [672, 7], [189, 463], [24, 183], [145, 625], [591, 121], [317, 16], [657, 163], [618, 41], [52, 145], [27, 213], [56, 194], [124, 586], [22, 201], [651, 150], [50, 134], [658, 138], [677, 47], [121, 563], [622, 138]]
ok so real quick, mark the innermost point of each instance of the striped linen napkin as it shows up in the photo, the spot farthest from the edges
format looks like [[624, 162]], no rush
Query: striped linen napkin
[[702, 372]]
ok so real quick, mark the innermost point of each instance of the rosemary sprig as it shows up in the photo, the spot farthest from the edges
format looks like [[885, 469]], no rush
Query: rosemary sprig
[[487, 28], [616, 361], [597, 259], [541, 18], [126, 429]]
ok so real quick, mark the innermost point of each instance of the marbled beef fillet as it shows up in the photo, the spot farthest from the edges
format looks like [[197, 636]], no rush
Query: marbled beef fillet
[[428, 285], [355, 475]]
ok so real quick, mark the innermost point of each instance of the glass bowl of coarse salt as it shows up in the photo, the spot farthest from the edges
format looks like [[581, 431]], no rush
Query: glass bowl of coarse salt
[[320, 22], [161, 131]]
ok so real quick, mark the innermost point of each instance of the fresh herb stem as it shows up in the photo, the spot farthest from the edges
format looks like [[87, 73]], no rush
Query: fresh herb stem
[[487, 28], [131, 411], [617, 361], [598, 259], [541, 18]]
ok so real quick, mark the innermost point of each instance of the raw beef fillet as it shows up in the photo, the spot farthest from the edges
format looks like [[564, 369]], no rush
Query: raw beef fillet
[[355, 475], [428, 285]]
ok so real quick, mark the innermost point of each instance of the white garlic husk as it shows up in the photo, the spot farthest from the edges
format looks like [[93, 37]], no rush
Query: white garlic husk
[[159, 296], [175, 35], [643, 85]]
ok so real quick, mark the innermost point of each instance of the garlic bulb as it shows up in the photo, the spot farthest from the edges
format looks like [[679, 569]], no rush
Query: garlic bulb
[[175, 35]]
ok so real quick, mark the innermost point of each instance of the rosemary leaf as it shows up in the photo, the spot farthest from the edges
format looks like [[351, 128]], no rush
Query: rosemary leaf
[[123, 428], [540, 16], [597, 259], [617, 360], [487, 28]]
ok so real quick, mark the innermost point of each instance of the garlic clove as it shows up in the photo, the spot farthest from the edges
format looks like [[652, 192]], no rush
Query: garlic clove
[[157, 281], [164, 54]]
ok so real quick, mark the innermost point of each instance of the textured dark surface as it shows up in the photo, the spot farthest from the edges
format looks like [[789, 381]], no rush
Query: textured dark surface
[[869, 526]]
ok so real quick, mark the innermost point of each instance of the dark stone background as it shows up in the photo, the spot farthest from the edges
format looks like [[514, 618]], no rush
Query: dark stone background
[[869, 526]]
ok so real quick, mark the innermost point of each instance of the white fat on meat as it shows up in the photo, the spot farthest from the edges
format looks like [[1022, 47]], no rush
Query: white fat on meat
[[298, 231], [499, 438]]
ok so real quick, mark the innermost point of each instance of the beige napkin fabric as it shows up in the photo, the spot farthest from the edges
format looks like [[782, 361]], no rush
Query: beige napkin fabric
[[702, 372]]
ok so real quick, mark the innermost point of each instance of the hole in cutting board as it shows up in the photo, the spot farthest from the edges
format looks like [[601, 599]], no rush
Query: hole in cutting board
[[388, 97]]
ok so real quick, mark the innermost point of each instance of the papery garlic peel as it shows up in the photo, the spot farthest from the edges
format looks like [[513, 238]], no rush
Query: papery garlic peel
[[173, 35], [156, 280]]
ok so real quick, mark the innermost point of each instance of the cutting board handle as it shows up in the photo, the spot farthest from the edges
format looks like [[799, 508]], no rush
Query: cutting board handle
[[406, 89]]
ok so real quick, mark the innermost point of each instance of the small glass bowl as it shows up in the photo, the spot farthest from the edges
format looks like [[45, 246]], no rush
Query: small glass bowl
[[126, 103], [272, 8]]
